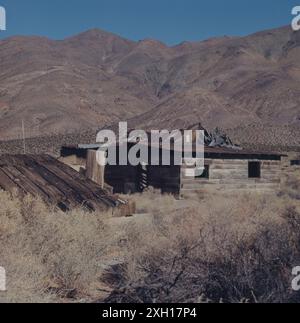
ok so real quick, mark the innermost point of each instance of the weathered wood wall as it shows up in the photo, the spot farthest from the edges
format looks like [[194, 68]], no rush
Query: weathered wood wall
[[94, 171], [233, 174], [129, 179], [230, 173], [166, 178], [123, 179]]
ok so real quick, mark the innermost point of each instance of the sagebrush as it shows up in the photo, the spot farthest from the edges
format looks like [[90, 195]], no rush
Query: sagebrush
[[214, 248]]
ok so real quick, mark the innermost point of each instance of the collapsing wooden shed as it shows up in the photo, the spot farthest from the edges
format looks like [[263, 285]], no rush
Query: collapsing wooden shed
[[225, 168], [57, 183]]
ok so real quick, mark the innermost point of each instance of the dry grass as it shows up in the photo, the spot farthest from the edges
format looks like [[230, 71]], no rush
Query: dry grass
[[227, 247], [48, 254], [291, 183]]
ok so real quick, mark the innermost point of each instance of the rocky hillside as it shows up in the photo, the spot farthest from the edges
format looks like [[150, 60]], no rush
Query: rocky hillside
[[244, 84]]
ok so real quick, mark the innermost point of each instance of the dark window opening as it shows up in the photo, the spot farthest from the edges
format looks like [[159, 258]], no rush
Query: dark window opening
[[254, 170], [295, 162], [205, 173]]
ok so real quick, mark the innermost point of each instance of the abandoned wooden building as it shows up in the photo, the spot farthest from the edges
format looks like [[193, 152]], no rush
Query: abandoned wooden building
[[57, 184], [224, 168]]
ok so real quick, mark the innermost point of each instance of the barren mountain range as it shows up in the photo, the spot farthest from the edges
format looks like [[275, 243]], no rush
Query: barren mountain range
[[247, 85]]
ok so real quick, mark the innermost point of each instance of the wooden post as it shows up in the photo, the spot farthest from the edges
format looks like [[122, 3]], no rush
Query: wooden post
[[94, 171], [23, 136]]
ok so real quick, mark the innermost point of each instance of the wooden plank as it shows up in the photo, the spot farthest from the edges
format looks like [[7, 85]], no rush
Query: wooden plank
[[232, 187], [94, 171], [23, 182], [14, 176], [61, 183], [54, 181], [90, 185], [85, 189], [6, 183], [90, 190], [53, 195]]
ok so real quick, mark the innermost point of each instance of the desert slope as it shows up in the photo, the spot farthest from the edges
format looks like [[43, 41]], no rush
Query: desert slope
[[96, 78]]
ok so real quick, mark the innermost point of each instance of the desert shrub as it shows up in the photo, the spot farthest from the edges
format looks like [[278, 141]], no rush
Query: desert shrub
[[48, 254], [217, 248], [230, 250], [152, 201], [291, 184]]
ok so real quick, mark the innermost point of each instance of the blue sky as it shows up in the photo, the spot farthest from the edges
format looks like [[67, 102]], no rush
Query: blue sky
[[170, 21]]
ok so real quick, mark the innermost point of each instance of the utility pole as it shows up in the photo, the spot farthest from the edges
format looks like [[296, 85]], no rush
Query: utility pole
[[23, 134]]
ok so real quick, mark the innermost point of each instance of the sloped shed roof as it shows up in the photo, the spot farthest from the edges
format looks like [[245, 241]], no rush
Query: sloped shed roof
[[55, 182]]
